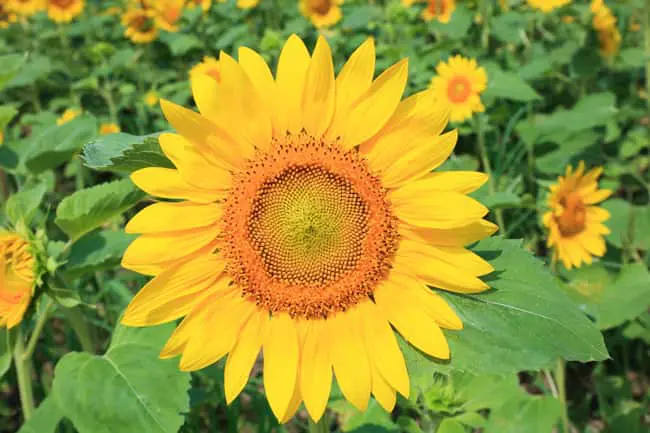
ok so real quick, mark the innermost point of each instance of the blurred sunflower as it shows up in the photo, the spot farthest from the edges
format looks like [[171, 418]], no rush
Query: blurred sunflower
[[321, 13], [168, 13], [151, 98], [68, 115], [247, 4], [440, 10], [6, 16], [64, 11], [459, 83], [305, 227], [605, 24], [140, 25], [2, 137], [547, 5], [203, 4], [108, 128], [574, 222], [25, 7], [16, 278], [209, 66]]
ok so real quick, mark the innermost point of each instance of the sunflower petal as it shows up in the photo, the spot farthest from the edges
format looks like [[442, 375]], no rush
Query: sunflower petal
[[316, 370], [319, 97], [167, 183], [462, 182], [457, 236], [290, 80], [442, 210], [281, 355], [163, 216]]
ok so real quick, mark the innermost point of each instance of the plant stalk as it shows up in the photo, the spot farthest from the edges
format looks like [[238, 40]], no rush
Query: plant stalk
[[560, 379], [38, 329], [24, 376], [80, 328], [485, 160]]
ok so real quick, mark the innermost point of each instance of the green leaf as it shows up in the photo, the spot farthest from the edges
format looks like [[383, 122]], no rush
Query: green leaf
[[11, 65], [458, 25], [57, 144], [87, 209], [524, 322], [509, 27], [180, 43], [23, 205], [97, 251], [37, 67], [127, 390], [125, 153], [629, 224], [625, 298], [574, 145], [508, 85], [45, 418], [529, 415], [7, 113], [449, 425]]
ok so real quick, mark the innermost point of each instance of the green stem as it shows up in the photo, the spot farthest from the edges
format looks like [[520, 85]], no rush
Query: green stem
[[485, 15], [38, 329], [80, 328], [561, 385], [24, 377], [322, 426], [647, 51], [482, 150]]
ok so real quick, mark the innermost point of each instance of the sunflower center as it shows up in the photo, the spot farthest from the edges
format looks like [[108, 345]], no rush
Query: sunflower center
[[437, 7], [574, 215], [321, 7], [308, 229], [459, 89]]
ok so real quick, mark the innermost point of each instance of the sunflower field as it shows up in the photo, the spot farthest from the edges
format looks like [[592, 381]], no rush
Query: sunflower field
[[359, 216]]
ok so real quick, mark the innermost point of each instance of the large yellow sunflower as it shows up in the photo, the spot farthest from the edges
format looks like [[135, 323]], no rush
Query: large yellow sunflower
[[459, 83], [307, 225], [573, 221], [440, 10], [321, 13], [140, 25], [25, 7], [547, 5], [16, 278], [64, 11]]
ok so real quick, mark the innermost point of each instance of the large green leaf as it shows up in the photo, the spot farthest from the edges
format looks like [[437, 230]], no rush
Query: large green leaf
[[23, 205], [508, 85], [124, 153], [11, 65], [524, 322], [45, 418], [7, 113], [37, 67], [89, 208], [526, 415], [629, 224], [127, 390], [97, 250]]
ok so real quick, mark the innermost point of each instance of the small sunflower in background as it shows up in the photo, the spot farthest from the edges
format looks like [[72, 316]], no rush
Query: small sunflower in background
[[7, 16], [68, 115], [247, 4], [151, 98], [574, 222], [460, 82], [203, 4], [321, 13], [209, 66], [109, 128], [547, 5], [140, 25], [306, 228], [17, 278], [25, 7], [604, 23], [64, 11], [440, 10], [168, 13]]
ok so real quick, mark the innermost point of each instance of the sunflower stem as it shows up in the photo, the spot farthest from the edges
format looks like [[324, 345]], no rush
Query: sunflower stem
[[485, 160], [322, 426], [80, 328], [23, 376], [38, 329], [560, 379]]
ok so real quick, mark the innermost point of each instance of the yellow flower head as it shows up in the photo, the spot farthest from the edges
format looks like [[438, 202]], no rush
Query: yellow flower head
[[440, 10], [140, 25], [604, 22], [322, 13], [547, 5], [203, 4], [459, 83], [64, 11], [16, 278], [610, 41], [25, 7], [168, 13], [6, 16], [247, 4], [209, 67], [575, 229], [2, 137], [68, 115], [108, 128], [309, 224], [151, 98]]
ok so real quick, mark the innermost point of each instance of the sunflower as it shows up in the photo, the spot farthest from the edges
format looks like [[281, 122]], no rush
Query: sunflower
[[140, 25], [304, 228], [6, 16], [547, 5], [168, 13], [2, 137], [68, 115], [151, 98], [247, 4], [573, 221], [109, 128], [209, 67], [16, 278], [440, 10], [25, 7], [64, 11], [459, 83], [321, 13], [605, 24], [203, 4]]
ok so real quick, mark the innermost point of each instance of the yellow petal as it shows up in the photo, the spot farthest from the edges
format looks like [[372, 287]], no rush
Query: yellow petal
[[456, 256], [416, 327], [294, 403], [290, 80], [242, 357], [281, 355], [372, 110], [173, 293], [597, 214], [192, 166], [172, 216], [593, 243], [425, 156], [384, 394], [462, 182], [349, 358], [262, 78], [597, 196], [318, 98], [444, 209], [457, 236], [167, 183], [316, 370]]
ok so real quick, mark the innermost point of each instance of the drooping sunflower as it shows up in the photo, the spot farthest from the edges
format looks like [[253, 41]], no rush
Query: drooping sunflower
[[16, 278], [109, 128], [305, 226], [459, 83], [440, 10], [7, 17], [140, 25], [574, 222], [209, 67], [25, 7], [64, 11], [68, 115], [322, 13], [547, 5]]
